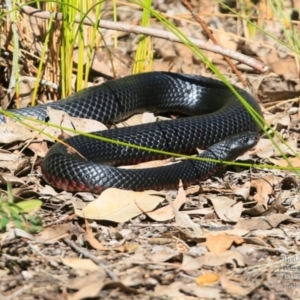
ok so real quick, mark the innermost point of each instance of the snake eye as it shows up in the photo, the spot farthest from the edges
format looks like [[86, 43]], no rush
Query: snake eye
[[247, 140]]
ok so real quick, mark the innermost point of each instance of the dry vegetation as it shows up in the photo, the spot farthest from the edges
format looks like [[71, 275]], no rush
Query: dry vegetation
[[235, 236]]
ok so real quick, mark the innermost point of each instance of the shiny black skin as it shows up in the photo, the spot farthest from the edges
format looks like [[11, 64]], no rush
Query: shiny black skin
[[222, 115]]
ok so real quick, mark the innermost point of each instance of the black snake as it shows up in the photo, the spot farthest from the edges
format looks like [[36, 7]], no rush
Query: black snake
[[222, 116]]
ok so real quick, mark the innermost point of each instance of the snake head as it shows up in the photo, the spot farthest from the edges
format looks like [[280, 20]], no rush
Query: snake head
[[240, 143], [232, 147]]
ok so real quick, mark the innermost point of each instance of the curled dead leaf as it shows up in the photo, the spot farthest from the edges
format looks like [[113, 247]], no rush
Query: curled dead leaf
[[221, 242]]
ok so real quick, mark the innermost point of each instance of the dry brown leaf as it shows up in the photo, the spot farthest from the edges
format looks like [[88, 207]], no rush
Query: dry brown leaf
[[7, 156], [183, 220], [80, 263], [81, 281], [272, 57], [227, 209], [264, 148], [120, 206], [61, 118], [167, 212], [262, 223], [282, 120], [54, 233], [5, 178], [134, 279], [221, 242], [39, 148], [294, 161], [236, 289], [172, 291], [205, 232], [15, 132], [91, 239], [193, 189], [297, 206], [187, 226], [12, 233], [243, 191], [48, 190], [207, 278], [228, 257], [281, 65], [264, 187], [189, 263], [25, 88], [18, 165], [257, 210], [277, 206], [180, 290], [90, 290], [163, 253], [137, 119], [230, 232]]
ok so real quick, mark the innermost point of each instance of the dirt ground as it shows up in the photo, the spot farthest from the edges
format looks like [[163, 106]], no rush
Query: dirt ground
[[234, 236]]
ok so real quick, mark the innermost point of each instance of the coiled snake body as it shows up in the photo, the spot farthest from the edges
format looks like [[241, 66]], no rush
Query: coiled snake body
[[222, 116]]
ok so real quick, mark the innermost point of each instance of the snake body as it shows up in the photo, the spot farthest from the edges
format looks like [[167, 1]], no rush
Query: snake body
[[225, 126]]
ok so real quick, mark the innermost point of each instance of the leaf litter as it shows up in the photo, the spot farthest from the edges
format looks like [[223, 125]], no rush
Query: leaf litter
[[234, 234]]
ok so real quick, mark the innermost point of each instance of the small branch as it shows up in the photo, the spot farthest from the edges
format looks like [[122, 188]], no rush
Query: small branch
[[253, 63]]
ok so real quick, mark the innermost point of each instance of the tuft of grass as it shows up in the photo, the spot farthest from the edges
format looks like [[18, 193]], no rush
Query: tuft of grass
[[77, 36], [144, 53], [61, 39]]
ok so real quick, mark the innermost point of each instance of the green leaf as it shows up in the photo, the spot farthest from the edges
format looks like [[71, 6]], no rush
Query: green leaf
[[29, 205]]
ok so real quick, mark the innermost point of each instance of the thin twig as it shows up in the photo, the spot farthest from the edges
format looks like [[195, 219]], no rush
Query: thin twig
[[87, 254], [257, 65]]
